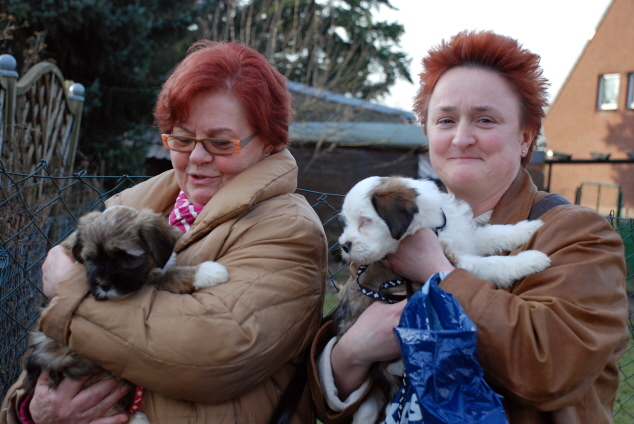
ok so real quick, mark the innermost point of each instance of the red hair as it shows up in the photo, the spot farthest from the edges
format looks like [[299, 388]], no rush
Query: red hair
[[235, 68], [495, 52]]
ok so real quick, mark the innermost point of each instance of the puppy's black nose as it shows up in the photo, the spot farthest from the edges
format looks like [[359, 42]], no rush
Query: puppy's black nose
[[104, 285], [346, 246]]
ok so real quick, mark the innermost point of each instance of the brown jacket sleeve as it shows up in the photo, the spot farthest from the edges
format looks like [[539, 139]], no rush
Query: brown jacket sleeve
[[324, 413], [545, 343], [216, 343]]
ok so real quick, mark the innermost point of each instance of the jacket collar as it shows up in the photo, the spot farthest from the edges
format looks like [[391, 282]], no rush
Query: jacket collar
[[515, 205], [272, 176]]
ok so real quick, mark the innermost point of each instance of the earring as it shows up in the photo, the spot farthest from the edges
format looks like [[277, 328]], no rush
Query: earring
[[524, 151]]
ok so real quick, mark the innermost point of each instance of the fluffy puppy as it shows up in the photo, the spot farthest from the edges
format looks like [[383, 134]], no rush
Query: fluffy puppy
[[378, 213], [122, 249]]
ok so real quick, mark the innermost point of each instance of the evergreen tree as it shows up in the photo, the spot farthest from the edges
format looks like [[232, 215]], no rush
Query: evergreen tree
[[123, 50], [335, 45]]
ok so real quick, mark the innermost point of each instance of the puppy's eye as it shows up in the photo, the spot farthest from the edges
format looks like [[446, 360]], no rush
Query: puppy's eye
[[365, 221]]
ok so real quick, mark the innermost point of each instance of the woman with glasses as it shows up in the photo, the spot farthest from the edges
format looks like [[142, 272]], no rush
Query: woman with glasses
[[223, 354]]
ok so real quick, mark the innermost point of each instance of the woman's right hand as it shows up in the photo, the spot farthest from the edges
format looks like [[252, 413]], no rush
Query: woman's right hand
[[370, 339], [419, 256], [68, 403], [56, 264]]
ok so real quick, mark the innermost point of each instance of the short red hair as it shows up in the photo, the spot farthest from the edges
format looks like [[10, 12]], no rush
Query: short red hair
[[495, 52], [235, 68]]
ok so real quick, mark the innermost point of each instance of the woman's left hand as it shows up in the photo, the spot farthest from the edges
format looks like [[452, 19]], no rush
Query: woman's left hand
[[419, 256], [56, 264], [370, 339], [69, 403]]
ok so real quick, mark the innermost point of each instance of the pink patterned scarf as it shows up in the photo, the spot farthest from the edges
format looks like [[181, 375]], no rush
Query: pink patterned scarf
[[184, 213]]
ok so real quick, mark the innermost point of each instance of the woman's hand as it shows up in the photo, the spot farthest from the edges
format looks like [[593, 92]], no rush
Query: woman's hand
[[55, 266], [419, 256], [371, 339], [68, 403]]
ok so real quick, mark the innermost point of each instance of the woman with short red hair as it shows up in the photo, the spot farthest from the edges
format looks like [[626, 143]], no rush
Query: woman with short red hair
[[549, 344], [223, 354]]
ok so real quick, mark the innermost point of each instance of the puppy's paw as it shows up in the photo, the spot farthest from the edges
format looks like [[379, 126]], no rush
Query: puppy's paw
[[534, 261], [525, 229], [209, 274], [139, 418]]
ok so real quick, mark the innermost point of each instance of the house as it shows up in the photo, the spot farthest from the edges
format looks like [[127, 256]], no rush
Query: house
[[590, 124], [339, 140]]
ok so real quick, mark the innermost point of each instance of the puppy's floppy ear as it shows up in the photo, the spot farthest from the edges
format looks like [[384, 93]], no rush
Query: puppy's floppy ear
[[74, 242], [396, 205], [158, 235]]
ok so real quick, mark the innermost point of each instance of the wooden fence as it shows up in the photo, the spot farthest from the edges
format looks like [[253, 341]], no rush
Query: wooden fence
[[40, 117]]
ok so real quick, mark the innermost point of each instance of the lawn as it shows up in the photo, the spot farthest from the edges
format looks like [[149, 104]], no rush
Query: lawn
[[624, 405], [329, 302]]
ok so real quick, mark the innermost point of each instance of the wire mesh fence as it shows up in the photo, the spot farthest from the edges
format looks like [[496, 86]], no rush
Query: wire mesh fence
[[38, 210]]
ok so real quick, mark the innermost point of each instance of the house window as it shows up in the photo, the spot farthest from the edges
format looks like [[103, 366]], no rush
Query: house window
[[608, 91], [630, 91]]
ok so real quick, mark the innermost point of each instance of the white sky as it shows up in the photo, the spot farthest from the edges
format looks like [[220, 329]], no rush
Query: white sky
[[557, 30]]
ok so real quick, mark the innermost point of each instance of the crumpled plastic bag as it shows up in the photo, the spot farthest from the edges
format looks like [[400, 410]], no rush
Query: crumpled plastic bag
[[444, 382]]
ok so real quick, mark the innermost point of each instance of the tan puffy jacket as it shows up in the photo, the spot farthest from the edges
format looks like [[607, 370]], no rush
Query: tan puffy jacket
[[550, 344], [223, 354]]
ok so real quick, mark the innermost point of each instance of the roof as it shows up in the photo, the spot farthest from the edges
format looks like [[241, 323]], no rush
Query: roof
[[359, 133], [350, 101]]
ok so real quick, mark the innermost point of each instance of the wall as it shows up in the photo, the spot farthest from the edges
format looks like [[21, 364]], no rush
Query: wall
[[574, 125]]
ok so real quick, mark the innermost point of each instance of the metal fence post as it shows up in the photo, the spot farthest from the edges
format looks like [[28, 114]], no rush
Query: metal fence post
[[8, 77]]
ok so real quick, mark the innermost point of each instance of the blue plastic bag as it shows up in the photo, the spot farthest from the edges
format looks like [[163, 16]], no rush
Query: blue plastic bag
[[444, 382]]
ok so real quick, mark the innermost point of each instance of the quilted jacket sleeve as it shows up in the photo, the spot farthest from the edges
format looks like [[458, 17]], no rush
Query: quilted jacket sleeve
[[218, 342]]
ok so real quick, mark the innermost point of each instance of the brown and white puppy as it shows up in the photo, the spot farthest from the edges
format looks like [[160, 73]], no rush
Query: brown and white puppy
[[380, 211], [122, 250]]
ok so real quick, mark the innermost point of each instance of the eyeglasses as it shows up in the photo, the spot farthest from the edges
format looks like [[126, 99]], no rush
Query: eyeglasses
[[213, 146]]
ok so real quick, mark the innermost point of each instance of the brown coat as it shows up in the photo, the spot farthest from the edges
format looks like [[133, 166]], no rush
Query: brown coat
[[223, 354], [550, 344]]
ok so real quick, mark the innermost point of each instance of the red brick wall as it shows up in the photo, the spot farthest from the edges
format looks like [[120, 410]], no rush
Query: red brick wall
[[573, 124]]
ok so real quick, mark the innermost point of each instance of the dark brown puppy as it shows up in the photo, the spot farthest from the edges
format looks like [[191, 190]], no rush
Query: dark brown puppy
[[122, 250], [387, 374]]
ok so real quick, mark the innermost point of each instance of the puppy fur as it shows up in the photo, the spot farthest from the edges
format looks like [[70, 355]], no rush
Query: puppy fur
[[387, 374], [122, 250], [380, 211]]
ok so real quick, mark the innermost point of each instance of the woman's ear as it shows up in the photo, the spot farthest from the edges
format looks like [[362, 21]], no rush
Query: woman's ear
[[528, 137]]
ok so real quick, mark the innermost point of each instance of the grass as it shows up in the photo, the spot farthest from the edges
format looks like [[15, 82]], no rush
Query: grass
[[627, 234], [329, 302], [624, 405]]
